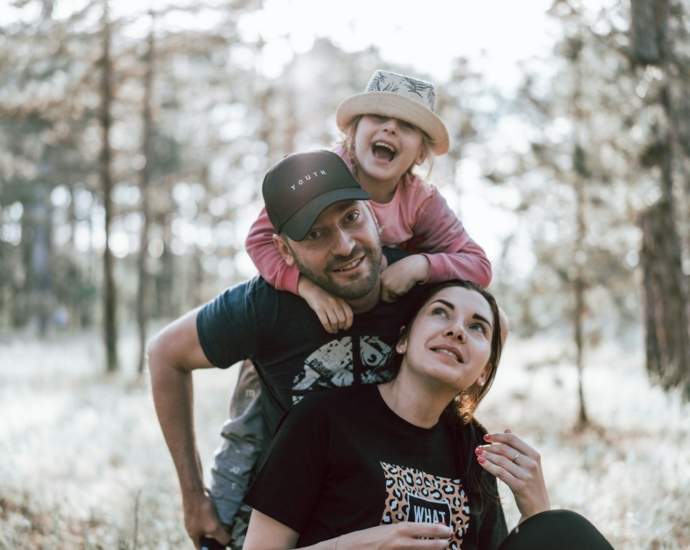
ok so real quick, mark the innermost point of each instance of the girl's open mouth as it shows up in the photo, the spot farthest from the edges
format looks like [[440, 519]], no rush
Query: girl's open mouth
[[383, 151]]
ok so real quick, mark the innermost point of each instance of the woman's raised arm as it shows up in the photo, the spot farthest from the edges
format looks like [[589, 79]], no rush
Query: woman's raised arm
[[518, 466]]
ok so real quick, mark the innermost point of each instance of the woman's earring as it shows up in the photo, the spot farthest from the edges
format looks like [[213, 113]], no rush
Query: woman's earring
[[480, 381]]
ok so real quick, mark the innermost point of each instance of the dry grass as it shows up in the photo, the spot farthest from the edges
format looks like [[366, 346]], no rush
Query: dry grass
[[83, 463], [629, 471]]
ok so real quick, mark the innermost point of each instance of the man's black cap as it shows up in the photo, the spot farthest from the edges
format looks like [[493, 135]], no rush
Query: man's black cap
[[302, 185]]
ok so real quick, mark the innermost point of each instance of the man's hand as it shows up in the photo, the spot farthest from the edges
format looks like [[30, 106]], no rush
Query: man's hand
[[200, 518], [398, 278], [333, 312]]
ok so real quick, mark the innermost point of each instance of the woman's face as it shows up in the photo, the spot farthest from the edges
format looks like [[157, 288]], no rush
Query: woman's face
[[450, 339]]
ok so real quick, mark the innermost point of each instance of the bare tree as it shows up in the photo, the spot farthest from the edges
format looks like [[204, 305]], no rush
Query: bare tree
[[142, 294], [109, 290], [666, 318]]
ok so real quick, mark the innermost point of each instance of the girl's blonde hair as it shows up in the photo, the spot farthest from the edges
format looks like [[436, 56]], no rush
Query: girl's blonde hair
[[348, 142]]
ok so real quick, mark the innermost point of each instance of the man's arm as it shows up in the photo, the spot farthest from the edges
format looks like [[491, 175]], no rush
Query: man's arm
[[172, 356]]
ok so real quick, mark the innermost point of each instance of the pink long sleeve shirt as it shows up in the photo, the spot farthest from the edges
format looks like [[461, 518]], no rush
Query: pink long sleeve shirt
[[417, 219]]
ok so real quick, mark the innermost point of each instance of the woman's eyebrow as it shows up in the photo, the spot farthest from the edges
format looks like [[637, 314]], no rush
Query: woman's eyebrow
[[447, 304], [480, 318], [475, 316]]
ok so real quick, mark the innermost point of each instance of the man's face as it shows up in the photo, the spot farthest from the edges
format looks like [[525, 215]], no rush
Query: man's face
[[342, 251]]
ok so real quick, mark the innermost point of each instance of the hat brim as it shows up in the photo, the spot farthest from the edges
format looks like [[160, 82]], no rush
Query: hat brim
[[299, 224], [396, 106]]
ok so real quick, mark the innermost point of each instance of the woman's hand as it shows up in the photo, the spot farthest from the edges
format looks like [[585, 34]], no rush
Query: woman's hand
[[398, 278], [333, 312], [518, 466], [266, 533], [405, 535]]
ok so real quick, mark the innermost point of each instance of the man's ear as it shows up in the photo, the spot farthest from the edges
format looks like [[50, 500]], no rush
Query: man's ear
[[284, 249]]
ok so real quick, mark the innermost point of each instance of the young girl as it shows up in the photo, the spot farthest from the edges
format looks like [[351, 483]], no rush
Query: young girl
[[389, 129]]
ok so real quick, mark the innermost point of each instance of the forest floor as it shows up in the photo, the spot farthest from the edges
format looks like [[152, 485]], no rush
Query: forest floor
[[83, 464]]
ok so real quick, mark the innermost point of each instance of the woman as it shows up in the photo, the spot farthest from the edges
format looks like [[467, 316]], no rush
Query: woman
[[405, 464]]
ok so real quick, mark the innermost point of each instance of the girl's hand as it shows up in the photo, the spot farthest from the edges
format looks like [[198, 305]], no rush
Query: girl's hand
[[518, 466], [398, 278], [334, 313]]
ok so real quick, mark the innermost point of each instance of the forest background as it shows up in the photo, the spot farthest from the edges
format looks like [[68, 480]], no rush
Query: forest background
[[133, 143]]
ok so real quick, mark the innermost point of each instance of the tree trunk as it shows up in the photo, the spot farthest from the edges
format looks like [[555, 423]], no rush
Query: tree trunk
[[643, 31], [109, 291], [666, 317], [666, 320], [40, 259], [142, 309], [580, 289]]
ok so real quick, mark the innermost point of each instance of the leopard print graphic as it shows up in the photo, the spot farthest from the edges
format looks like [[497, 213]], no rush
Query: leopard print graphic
[[417, 496]]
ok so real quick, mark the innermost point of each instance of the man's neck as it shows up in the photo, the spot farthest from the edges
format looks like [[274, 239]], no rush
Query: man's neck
[[367, 302]]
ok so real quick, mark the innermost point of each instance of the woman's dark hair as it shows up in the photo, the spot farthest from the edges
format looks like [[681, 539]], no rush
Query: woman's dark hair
[[468, 432]]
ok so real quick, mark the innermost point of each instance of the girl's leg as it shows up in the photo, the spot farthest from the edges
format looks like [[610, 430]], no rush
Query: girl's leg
[[555, 529]]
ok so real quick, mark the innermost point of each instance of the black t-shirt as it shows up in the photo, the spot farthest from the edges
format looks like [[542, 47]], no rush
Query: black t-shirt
[[292, 351], [343, 461]]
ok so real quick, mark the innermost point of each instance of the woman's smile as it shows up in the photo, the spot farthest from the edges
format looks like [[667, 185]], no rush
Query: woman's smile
[[451, 352]]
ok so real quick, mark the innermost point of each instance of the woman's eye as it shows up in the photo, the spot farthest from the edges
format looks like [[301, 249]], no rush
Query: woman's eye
[[379, 117], [478, 327], [439, 311], [406, 124]]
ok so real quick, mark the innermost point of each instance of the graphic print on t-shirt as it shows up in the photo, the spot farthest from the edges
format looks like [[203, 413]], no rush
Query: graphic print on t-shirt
[[344, 362], [413, 495]]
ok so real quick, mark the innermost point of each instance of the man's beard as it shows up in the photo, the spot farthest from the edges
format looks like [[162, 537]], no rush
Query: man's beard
[[358, 288]]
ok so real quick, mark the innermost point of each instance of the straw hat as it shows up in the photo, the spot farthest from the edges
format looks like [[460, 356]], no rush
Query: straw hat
[[397, 96]]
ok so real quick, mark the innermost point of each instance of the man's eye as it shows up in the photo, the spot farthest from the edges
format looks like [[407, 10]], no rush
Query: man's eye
[[352, 216], [313, 235]]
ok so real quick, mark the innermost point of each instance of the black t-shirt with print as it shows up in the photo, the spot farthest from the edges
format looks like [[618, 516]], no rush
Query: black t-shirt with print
[[292, 351], [343, 461]]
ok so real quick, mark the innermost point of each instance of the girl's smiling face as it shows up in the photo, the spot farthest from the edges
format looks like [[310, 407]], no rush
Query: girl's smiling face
[[386, 148], [450, 339]]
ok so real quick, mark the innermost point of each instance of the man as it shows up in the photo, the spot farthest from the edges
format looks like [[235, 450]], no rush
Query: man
[[324, 227]]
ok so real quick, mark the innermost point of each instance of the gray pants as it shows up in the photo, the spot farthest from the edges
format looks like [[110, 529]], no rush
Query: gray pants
[[234, 461]]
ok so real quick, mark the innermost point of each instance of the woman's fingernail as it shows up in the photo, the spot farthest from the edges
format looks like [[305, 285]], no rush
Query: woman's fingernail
[[479, 450], [487, 437], [481, 459]]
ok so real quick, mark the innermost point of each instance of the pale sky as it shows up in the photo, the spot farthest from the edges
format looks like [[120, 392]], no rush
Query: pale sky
[[427, 35]]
